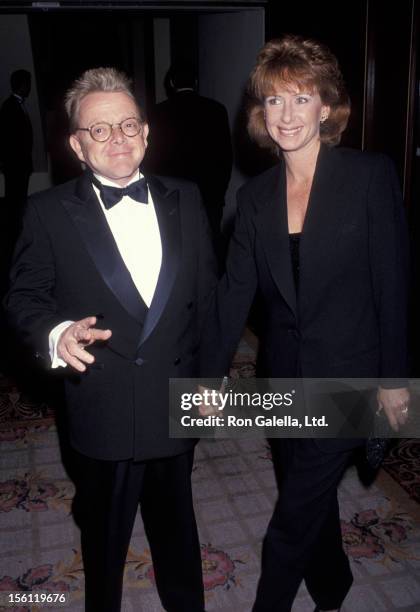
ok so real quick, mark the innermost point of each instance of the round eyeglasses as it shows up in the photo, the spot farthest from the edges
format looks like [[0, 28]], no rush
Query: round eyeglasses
[[101, 132]]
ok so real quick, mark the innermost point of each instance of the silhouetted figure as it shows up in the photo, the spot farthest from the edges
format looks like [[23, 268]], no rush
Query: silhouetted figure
[[16, 165], [190, 138], [16, 144]]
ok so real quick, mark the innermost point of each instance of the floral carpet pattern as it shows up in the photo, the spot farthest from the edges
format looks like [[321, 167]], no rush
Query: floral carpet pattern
[[60, 578], [234, 491], [219, 569], [381, 534], [16, 406], [403, 464], [19, 436], [35, 493]]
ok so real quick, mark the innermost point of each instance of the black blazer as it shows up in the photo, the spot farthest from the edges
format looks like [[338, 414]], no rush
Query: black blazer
[[350, 318], [67, 266]]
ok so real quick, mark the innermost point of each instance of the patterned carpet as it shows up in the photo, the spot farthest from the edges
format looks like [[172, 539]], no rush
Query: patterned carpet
[[403, 464], [234, 492]]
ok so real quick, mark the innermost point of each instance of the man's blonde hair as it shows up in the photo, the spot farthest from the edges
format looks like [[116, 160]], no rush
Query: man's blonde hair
[[91, 81]]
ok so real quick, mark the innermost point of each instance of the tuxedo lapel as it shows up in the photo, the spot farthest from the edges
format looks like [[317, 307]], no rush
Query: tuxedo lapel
[[272, 224], [85, 211], [166, 204]]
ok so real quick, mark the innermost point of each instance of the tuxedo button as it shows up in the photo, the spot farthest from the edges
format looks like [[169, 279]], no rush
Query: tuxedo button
[[139, 361], [190, 305], [177, 361]]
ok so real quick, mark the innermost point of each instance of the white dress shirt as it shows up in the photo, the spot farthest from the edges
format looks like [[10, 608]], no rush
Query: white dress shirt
[[135, 229]]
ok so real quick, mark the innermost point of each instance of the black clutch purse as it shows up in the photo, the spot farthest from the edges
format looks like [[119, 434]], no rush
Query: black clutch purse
[[379, 443], [376, 451]]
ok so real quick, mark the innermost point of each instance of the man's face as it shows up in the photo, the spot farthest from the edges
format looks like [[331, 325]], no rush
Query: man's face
[[119, 157]]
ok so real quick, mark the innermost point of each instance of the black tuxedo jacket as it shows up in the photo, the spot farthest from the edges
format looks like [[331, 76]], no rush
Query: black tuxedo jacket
[[15, 136], [350, 318], [67, 266]]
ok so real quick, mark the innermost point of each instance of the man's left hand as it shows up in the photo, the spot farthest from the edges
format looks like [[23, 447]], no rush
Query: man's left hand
[[394, 402]]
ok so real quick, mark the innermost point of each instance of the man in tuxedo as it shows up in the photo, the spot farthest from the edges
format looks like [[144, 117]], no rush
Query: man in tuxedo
[[16, 142], [111, 276]]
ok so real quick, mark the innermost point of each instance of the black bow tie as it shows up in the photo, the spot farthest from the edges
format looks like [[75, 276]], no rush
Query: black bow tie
[[112, 195]]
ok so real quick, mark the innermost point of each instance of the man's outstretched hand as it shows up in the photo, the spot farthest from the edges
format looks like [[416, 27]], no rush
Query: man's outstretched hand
[[75, 338]]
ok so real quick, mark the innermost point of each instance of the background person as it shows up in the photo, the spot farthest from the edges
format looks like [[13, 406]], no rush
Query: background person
[[191, 140], [16, 141]]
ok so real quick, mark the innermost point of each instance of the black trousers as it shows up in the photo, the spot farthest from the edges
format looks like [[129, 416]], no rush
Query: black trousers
[[107, 497], [303, 539]]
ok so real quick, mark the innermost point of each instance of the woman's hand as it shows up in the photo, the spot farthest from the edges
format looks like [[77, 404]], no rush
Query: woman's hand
[[394, 402]]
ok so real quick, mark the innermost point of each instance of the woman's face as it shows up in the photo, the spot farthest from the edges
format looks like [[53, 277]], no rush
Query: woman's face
[[293, 116]]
